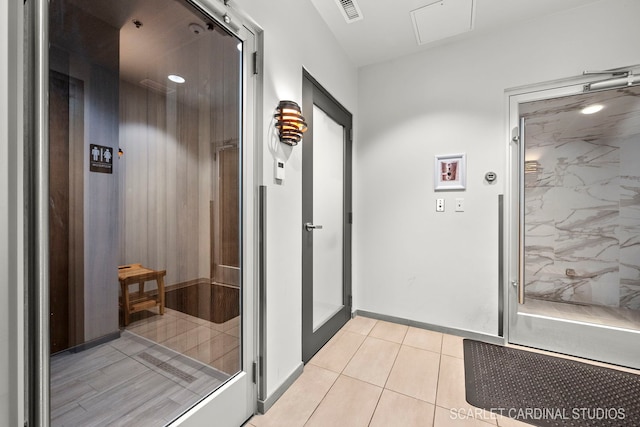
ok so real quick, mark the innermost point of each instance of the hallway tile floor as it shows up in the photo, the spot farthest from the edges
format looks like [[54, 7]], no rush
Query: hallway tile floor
[[381, 374]]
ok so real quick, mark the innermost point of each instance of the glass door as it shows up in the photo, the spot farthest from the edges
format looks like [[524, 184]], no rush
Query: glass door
[[575, 267], [150, 216], [328, 208], [326, 241]]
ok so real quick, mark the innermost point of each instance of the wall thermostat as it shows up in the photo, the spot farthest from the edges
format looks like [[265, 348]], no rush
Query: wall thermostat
[[279, 169], [490, 176]]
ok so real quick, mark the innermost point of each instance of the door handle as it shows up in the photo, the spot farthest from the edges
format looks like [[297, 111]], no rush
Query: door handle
[[309, 227]]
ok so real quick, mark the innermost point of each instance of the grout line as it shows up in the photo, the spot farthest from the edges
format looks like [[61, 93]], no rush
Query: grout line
[[354, 353], [376, 407], [323, 397], [393, 365], [385, 381], [435, 403]]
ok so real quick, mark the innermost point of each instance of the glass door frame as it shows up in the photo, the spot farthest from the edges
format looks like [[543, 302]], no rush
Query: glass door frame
[[314, 338], [587, 340], [236, 400]]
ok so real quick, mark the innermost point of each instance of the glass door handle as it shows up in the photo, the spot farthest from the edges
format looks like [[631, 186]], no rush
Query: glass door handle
[[309, 227]]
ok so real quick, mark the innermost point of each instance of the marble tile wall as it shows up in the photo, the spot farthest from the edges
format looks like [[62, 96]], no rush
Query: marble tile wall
[[582, 204]]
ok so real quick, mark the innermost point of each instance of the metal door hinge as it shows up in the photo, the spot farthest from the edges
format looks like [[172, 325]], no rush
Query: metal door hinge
[[351, 134], [350, 217], [350, 301], [254, 372], [255, 63]]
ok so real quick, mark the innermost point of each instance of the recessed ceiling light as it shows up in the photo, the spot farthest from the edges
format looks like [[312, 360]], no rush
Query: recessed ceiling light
[[591, 109], [176, 78]]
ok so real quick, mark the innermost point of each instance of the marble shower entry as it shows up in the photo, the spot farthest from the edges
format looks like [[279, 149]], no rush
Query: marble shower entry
[[582, 207]]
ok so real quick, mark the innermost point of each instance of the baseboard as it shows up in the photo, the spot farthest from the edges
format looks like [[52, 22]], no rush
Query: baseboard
[[478, 336], [96, 342], [265, 405], [180, 285]]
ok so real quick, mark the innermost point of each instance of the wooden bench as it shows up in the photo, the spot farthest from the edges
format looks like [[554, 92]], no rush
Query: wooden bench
[[138, 301]]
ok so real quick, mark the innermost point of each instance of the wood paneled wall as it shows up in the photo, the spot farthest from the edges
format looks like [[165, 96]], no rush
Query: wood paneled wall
[[170, 167], [163, 185]]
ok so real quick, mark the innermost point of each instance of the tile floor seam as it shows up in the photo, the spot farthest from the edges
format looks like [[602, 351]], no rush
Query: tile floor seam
[[232, 350], [396, 324], [353, 355], [395, 359], [473, 414], [435, 403], [376, 407], [181, 351], [323, 397], [421, 348], [409, 396]]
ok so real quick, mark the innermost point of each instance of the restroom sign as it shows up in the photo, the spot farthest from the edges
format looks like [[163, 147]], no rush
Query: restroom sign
[[100, 158]]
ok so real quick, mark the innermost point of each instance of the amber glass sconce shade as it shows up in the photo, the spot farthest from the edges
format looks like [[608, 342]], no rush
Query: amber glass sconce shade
[[290, 122]]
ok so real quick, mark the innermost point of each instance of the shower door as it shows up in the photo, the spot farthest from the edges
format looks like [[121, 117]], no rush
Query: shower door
[[575, 222]]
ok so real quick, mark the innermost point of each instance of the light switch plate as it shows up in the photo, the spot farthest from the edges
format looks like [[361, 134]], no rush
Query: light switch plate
[[279, 169], [439, 205], [459, 204]]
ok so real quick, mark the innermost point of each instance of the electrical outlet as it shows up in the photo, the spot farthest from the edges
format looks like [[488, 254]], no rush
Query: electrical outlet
[[439, 205], [459, 204]]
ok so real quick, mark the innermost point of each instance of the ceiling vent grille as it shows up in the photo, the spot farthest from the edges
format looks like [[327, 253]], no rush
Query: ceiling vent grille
[[350, 10], [158, 87]]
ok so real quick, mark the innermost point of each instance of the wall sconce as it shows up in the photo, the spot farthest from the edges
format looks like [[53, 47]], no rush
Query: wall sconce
[[290, 122], [120, 152], [531, 166]]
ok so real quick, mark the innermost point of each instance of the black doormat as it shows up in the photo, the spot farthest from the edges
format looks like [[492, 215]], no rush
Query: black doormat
[[549, 391]]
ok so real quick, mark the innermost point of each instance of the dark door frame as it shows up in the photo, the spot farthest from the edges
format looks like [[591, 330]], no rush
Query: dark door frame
[[314, 94]]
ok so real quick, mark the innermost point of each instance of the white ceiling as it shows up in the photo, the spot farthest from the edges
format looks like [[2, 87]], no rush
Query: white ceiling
[[386, 30]]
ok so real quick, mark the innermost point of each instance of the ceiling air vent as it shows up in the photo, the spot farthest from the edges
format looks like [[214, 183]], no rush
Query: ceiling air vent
[[350, 10], [158, 87]]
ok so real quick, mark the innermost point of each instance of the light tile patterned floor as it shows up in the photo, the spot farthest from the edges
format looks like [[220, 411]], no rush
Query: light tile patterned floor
[[157, 369], [211, 343], [381, 374], [127, 381]]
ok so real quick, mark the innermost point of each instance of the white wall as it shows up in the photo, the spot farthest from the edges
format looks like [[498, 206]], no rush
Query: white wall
[[11, 284], [442, 268], [295, 36]]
